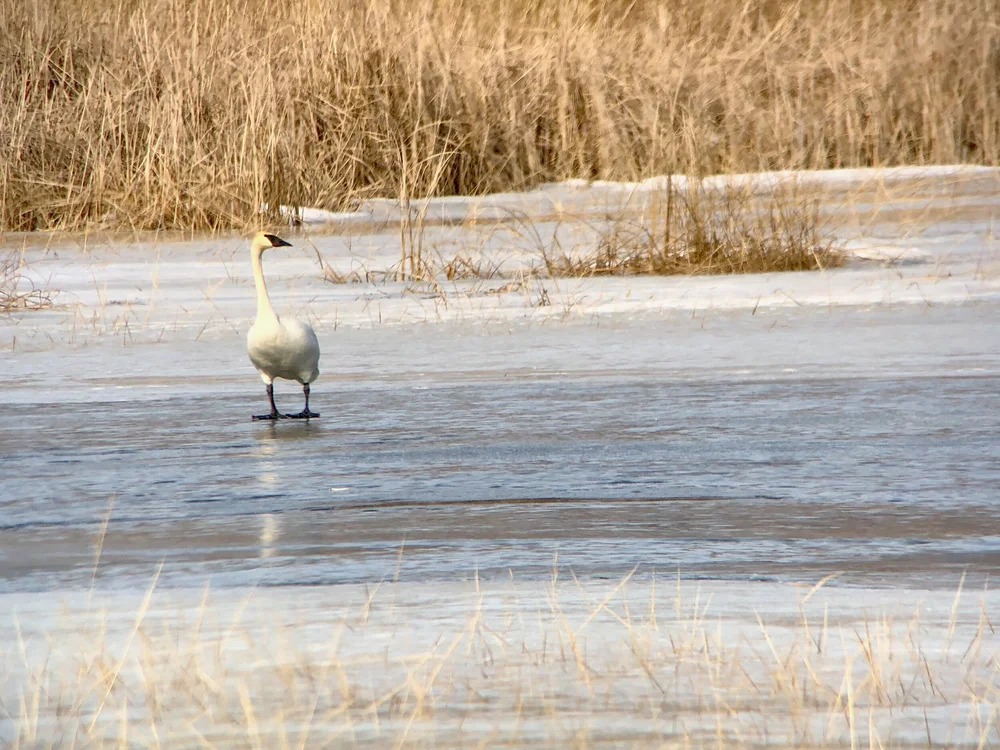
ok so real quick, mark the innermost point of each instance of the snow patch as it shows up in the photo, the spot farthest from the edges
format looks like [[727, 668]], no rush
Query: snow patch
[[886, 255], [582, 197]]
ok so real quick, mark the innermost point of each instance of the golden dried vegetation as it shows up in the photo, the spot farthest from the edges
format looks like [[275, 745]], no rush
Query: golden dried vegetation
[[196, 113]]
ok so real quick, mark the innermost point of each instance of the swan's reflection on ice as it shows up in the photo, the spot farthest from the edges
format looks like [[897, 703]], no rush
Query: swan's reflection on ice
[[264, 451], [270, 530], [267, 445], [273, 434], [270, 440]]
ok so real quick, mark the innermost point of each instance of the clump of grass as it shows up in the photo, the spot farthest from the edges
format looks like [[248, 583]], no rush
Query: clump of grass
[[702, 227], [196, 113], [13, 296], [702, 230]]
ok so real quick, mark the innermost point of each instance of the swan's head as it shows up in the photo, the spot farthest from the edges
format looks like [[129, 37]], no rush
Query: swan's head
[[262, 241]]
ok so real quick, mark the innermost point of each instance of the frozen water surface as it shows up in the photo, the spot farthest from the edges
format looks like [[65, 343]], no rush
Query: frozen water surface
[[750, 432], [765, 445]]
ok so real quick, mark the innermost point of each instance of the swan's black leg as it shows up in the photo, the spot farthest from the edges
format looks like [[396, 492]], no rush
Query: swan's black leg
[[274, 409], [305, 413]]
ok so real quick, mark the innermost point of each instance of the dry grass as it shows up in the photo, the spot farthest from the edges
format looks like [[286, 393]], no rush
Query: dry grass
[[697, 231], [568, 663], [14, 296], [714, 228], [196, 113]]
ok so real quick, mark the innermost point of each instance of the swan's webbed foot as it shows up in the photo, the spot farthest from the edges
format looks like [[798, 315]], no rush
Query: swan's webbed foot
[[305, 413], [274, 415]]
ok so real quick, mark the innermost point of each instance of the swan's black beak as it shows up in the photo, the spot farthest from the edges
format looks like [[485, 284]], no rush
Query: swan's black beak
[[276, 241]]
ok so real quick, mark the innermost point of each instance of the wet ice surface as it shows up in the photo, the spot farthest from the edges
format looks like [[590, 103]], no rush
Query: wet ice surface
[[742, 432], [751, 426], [804, 449]]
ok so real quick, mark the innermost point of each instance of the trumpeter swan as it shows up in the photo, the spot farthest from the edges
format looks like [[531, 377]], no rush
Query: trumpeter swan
[[278, 348]]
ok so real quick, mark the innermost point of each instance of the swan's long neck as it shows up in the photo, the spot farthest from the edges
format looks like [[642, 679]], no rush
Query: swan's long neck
[[264, 309]]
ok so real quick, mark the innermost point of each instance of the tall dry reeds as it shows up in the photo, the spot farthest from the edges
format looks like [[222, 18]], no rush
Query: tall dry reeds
[[195, 113]]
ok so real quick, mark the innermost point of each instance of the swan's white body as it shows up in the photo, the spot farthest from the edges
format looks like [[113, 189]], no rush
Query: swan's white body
[[279, 348], [283, 349]]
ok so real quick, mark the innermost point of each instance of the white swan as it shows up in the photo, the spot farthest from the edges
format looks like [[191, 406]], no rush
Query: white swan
[[279, 348]]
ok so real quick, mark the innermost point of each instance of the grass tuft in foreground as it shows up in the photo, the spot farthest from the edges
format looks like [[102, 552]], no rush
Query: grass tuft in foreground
[[582, 663]]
